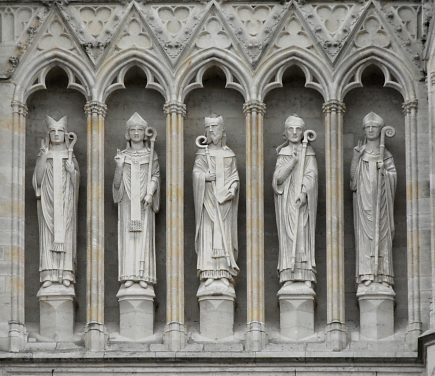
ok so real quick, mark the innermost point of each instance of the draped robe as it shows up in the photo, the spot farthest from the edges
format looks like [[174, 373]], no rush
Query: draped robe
[[136, 242], [364, 183], [215, 259], [286, 211], [57, 259]]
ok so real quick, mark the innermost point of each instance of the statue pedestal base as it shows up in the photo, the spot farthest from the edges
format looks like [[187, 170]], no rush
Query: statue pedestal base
[[216, 305], [376, 306], [296, 303], [56, 304], [136, 311]]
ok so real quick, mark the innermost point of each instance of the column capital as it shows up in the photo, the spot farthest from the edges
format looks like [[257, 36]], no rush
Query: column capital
[[254, 105], [95, 107], [408, 106], [177, 107], [19, 108], [334, 105]]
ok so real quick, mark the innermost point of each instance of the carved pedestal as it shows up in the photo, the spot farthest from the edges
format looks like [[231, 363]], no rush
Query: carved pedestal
[[56, 303], [296, 303], [216, 305], [136, 311], [376, 305]]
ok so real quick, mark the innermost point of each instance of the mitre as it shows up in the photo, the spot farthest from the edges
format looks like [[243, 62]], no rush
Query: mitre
[[371, 117], [56, 125], [136, 120]]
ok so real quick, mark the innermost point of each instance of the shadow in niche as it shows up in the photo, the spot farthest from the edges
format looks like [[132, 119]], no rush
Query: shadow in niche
[[120, 107], [213, 98], [57, 101], [292, 98], [387, 103]]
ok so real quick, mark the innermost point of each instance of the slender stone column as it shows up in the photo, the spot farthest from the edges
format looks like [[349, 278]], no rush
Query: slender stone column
[[175, 333], [256, 335], [336, 327], [432, 188], [95, 337], [17, 329], [413, 260]]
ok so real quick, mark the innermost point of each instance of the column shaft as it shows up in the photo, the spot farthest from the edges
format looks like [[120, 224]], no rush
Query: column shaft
[[17, 330], [336, 328], [432, 187], [175, 336], [95, 337], [413, 260], [256, 336]]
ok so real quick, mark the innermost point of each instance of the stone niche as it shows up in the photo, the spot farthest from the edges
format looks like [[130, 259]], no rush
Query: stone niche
[[56, 102], [387, 103], [121, 105], [213, 98], [293, 97]]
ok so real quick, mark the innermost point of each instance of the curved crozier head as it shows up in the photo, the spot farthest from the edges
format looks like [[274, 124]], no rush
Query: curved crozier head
[[135, 128], [215, 129], [56, 130], [372, 125], [294, 128]]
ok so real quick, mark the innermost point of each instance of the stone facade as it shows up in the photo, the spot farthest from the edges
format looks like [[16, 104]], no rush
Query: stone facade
[[255, 63]]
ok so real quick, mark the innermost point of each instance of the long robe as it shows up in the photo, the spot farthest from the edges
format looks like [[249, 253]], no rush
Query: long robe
[[136, 241], [57, 259], [285, 196], [364, 183], [216, 259]]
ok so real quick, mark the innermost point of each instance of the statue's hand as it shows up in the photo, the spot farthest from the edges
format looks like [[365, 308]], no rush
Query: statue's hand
[[69, 166], [148, 199], [230, 194], [359, 149], [210, 176], [301, 199], [119, 160]]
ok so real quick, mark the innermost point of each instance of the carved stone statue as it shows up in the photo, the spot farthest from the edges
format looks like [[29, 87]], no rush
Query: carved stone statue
[[56, 183], [216, 195], [295, 192], [373, 182], [136, 188]]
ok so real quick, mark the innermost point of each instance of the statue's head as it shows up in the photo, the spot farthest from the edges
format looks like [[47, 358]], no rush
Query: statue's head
[[56, 130], [294, 129], [215, 130], [372, 124], [136, 129]]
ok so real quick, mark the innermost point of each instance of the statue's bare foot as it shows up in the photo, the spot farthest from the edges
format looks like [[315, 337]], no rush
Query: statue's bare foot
[[225, 281], [46, 283], [308, 283], [367, 282], [66, 282], [287, 283], [386, 284], [128, 284], [208, 282], [143, 284]]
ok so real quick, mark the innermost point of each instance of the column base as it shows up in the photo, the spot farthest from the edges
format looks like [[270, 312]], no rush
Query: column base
[[56, 305], [136, 311], [216, 306], [17, 336], [174, 336], [376, 307], [412, 334], [427, 350], [95, 336], [256, 336], [296, 303], [336, 336]]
